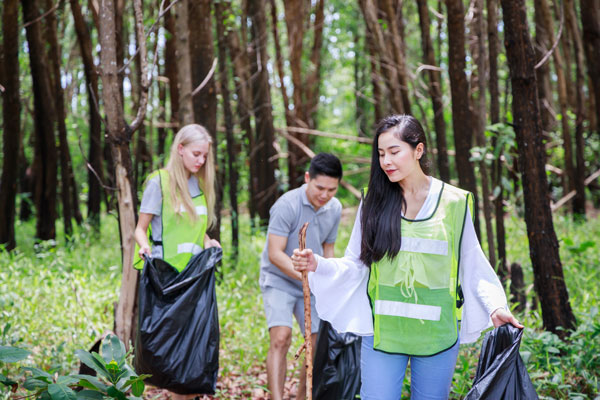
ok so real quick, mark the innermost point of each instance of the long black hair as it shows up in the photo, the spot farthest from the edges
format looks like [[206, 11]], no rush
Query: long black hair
[[381, 209]]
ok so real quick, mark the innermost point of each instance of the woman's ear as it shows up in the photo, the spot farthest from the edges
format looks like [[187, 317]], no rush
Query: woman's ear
[[180, 149], [420, 150]]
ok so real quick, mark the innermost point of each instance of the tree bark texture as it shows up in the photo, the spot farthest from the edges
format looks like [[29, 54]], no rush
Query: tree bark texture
[[462, 118], [232, 154], [563, 99], [95, 168], [66, 169], [184, 64], [590, 22], [119, 138], [543, 245], [45, 162], [264, 154], [170, 64], [11, 118], [435, 92]]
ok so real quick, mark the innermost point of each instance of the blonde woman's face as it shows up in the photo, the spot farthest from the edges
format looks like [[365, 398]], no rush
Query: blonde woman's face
[[193, 155]]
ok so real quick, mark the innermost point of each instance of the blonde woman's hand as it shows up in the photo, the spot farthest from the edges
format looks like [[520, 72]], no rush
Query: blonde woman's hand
[[144, 252], [502, 316], [211, 243], [304, 260]]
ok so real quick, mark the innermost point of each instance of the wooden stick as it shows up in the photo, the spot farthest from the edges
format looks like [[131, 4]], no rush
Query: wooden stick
[[307, 318]]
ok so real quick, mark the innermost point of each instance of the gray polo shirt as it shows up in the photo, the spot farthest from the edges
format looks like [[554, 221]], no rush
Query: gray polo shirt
[[287, 216]]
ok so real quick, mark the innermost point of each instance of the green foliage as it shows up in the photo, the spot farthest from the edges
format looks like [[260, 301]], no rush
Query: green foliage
[[117, 379]]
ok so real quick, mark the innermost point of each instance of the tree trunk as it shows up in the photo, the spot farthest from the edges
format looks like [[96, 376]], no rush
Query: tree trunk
[[542, 45], [170, 64], [241, 68], [66, 169], [435, 91], [479, 112], [375, 75], [264, 153], [492, 19], [232, 165], [205, 102], [590, 22], [397, 36], [543, 246], [184, 64], [11, 118], [119, 138], [143, 157], [387, 64], [45, 170], [579, 185], [563, 99], [462, 117]]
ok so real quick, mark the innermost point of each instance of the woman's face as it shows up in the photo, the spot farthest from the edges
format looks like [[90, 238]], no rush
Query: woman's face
[[397, 158], [193, 155]]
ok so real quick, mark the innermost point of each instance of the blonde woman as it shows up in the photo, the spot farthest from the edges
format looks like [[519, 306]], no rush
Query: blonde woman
[[178, 201]]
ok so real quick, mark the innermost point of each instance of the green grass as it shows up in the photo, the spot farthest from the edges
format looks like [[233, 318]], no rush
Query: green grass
[[56, 299]]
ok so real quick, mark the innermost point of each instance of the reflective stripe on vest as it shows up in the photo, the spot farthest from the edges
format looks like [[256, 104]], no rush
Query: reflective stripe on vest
[[413, 296], [182, 237]]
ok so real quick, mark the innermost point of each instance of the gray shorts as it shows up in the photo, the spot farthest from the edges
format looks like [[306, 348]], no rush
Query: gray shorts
[[280, 305]]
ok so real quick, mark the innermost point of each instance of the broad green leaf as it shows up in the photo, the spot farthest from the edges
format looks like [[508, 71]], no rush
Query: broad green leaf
[[92, 362], [61, 392], [9, 354], [91, 382], [137, 387], [113, 349], [39, 374], [35, 384], [89, 395], [116, 394], [67, 380]]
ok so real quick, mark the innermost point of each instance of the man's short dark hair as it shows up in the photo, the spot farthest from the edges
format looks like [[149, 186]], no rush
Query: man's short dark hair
[[325, 164]]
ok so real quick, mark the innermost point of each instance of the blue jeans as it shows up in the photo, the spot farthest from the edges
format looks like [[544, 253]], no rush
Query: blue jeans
[[382, 373]]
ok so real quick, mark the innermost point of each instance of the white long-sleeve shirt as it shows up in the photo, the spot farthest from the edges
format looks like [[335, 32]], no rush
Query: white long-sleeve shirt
[[340, 284]]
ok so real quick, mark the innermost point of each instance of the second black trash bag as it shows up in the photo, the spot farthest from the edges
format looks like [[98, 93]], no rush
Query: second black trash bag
[[336, 374], [177, 339], [501, 373]]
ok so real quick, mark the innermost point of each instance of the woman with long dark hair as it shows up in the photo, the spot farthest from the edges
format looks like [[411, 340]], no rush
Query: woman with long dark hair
[[412, 255]]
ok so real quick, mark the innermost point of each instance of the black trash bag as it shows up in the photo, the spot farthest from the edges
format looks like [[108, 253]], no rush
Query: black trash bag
[[177, 339], [501, 373], [336, 371]]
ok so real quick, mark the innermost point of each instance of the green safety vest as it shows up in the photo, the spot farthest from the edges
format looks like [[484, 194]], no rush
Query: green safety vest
[[181, 237], [414, 296]]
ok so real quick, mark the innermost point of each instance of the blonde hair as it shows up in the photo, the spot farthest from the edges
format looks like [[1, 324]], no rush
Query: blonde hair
[[178, 175]]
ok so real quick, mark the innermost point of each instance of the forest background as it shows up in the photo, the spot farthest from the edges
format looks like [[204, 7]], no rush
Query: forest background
[[93, 91]]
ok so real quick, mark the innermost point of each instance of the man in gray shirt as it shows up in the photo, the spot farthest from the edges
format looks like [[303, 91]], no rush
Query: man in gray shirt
[[280, 284]]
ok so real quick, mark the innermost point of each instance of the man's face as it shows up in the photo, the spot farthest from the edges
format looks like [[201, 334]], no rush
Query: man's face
[[320, 189]]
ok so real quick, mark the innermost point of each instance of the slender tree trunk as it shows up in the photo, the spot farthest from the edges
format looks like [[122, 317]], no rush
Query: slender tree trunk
[[162, 117], [387, 64], [393, 12], [66, 170], [232, 165], [435, 91], [119, 136], [184, 64], [11, 119], [543, 245], [573, 28], [205, 102], [241, 68], [563, 99], [171, 66], [462, 117], [45, 170], [279, 64], [265, 133], [590, 22], [542, 45], [95, 169], [492, 27], [479, 112], [143, 157], [375, 74]]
